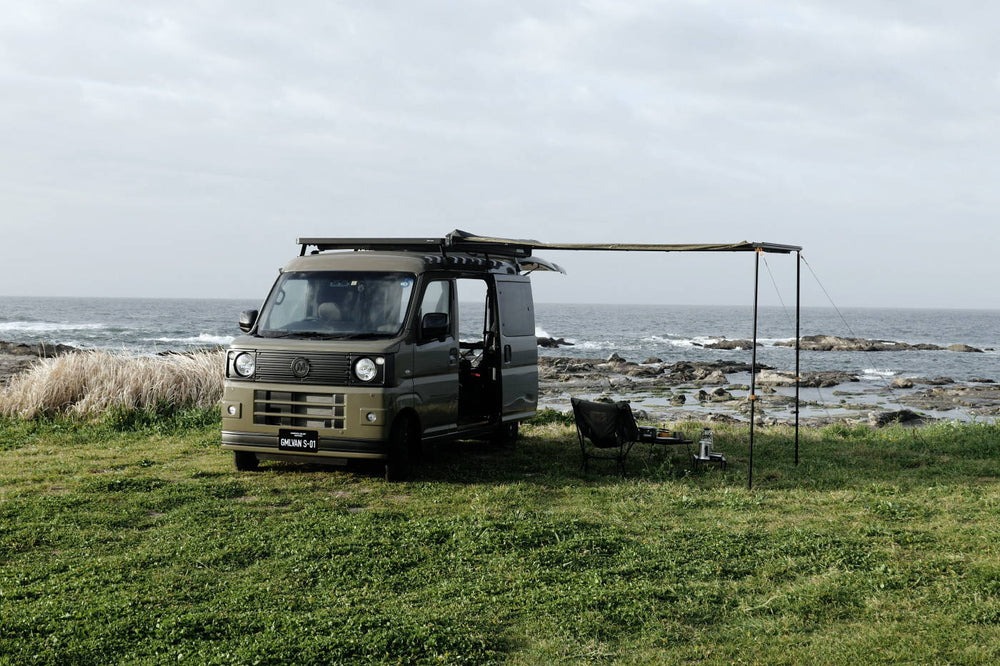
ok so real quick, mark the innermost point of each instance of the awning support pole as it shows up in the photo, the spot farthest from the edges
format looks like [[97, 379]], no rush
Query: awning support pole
[[753, 365], [798, 337]]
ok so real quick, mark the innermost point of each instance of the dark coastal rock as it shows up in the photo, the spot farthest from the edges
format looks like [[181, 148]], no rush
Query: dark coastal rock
[[964, 349], [16, 357], [716, 417], [615, 359], [880, 419], [934, 381], [740, 345], [837, 343], [552, 343], [771, 377], [40, 350], [979, 399], [555, 367], [643, 371], [819, 379], [718, 395], [710, 376], [687, 371], [827, 378]]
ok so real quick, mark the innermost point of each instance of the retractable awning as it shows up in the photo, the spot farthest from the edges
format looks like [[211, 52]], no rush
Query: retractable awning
[[470, 242]]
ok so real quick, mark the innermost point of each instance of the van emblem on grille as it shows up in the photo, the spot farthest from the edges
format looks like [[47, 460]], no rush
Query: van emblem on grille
[[300, 367]]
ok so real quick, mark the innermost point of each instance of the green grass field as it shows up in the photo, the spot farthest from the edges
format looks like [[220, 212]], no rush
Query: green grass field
[[135, 541]]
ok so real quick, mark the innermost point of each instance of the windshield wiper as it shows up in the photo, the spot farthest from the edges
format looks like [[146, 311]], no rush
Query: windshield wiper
[[312, 335], [370, 335], [295, 334]]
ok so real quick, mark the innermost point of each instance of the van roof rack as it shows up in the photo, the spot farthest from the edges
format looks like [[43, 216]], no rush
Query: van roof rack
[[456, 241]]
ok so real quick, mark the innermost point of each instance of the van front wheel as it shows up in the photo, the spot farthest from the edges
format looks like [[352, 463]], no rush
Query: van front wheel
[[403, 449], [246, 461]]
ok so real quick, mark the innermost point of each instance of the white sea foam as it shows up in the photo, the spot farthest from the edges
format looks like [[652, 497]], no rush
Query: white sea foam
[[683, 343], [595, 345], [877, 373], [202, 339], [46, 327]]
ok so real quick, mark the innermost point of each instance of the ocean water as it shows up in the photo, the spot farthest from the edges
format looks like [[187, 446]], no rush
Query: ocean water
[[675, 333], [635, 332], [135, 325]]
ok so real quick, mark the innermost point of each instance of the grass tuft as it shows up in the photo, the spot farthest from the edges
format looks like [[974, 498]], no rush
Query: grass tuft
[[90, 384]]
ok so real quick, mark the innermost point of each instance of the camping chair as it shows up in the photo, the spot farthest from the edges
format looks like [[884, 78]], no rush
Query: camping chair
[[608, 426]]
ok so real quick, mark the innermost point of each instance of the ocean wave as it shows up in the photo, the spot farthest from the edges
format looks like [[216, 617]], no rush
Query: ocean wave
[[201, 339], [877, 373], [46, 327], [771, 342], [606, 345], [670, 341]]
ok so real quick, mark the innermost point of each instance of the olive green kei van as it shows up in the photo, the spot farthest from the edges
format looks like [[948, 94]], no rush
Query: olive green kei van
[[370, 349]]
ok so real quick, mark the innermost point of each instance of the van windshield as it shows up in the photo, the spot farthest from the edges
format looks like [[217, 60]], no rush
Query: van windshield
[[336, 304]]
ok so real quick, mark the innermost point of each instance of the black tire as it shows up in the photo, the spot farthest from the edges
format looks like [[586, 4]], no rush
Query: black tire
[[403, 449], [506, 434], [246, 461]]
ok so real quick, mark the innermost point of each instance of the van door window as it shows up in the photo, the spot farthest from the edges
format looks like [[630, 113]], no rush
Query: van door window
[[437, 298], [436, 301]]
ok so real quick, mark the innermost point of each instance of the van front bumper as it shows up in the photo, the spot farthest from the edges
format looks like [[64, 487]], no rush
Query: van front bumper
[[267, 445]]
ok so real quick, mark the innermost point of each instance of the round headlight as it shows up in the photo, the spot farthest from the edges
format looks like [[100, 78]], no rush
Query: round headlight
[[365, 369], [244, 364]]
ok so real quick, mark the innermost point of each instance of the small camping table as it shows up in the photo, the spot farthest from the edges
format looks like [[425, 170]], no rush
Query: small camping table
[[656, 436]]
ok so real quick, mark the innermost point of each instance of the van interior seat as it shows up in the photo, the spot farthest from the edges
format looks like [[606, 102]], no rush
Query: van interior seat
[[329, 312]]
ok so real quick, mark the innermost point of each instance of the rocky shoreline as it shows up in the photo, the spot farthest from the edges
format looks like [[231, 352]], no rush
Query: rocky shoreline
[[718, 390]]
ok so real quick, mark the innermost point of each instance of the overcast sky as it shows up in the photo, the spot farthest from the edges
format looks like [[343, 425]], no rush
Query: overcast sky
[[179, 148]]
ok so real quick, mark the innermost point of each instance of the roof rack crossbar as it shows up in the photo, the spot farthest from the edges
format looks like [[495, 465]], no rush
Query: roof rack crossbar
[[450, 243]]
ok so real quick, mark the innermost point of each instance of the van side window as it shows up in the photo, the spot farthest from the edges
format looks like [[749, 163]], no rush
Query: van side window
[[437, 298]]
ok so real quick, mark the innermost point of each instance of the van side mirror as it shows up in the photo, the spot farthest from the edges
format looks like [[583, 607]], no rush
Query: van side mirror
[[434, 325], [247, 319]]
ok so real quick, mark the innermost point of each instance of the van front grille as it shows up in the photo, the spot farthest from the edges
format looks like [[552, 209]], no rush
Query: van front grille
[[298, 409], [326, 368]]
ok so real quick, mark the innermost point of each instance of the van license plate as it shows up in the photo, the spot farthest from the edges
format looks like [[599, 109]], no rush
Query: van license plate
[[303, 441]]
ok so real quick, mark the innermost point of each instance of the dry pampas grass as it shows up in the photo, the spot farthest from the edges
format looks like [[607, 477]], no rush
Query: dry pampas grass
[[89, 383]]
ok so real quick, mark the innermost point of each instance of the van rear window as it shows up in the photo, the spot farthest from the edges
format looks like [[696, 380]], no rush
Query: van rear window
[[517, 311]]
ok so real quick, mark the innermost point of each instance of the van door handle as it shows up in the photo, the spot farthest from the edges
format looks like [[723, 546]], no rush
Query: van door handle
[[453, 356], [506, 354]]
